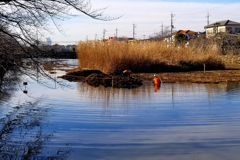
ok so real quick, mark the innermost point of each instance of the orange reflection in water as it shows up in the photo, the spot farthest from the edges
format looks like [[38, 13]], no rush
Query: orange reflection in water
[[156, 87]]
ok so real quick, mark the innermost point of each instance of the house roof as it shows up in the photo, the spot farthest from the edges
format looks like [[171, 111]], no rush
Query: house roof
[[114, 38], [223, 23], [110, 38], [184, 32]]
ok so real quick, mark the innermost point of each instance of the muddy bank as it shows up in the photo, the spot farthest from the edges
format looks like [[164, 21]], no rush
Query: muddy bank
[[97, 78], [196, 76]]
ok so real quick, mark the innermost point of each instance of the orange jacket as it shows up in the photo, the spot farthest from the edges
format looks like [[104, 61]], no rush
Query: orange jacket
[[126, 71], [156, 81]]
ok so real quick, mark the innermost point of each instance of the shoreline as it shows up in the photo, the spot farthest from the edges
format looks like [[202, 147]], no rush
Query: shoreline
[[216, 76], [230, 74]]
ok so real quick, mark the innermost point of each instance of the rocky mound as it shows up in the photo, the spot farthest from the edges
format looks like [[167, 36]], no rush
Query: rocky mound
[[118, 81], [97, 78], [75, 76]]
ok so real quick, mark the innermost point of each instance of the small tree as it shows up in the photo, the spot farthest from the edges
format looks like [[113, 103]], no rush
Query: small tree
[[238, 41], [225, 42], [180, 39]]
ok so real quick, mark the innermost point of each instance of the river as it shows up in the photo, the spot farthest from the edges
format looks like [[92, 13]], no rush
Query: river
[[77, 121]]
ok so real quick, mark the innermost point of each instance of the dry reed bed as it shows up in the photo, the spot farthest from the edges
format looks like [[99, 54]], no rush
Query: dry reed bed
[[114, 57]]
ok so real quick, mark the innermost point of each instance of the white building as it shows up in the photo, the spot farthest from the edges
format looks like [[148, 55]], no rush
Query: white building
[[225, 26]]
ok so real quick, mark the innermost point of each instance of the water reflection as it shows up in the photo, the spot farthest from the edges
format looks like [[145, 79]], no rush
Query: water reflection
[[173, 92], [8, 86], [24, 130], [23, 133], [179, 121]]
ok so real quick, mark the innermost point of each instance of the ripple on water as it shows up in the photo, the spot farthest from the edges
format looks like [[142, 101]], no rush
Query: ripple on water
[[179, 121]]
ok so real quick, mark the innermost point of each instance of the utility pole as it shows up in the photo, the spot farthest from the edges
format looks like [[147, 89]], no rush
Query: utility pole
[[104, 32], [208, 18], [162, 30], [172, 15], [134, 26], [116, 32], [95, 37], [143, 37]]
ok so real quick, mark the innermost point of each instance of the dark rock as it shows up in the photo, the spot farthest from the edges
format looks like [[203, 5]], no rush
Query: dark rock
[[117, 81]]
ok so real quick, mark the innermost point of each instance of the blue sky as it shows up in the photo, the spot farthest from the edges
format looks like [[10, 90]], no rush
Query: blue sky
[[148, 17]]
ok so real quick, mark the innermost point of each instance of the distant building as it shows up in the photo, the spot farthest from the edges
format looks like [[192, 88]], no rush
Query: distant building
[[49, 41], [114, 38], [225, 26], [190, 35]]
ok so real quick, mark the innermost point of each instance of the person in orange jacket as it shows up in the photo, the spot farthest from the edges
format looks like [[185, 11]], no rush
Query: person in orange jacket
[[157, 82], [126, 73]]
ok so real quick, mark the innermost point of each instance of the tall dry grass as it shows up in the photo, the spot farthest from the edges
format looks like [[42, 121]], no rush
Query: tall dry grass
[[114, 57]]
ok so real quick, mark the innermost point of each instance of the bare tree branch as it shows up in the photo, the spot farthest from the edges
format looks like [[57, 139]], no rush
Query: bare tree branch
[[21, 20]]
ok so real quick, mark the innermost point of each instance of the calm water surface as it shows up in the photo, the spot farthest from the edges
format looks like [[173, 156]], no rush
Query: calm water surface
[[179, 121]]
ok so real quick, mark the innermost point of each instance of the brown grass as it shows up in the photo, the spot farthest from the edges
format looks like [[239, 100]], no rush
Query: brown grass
[[139, 57]]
